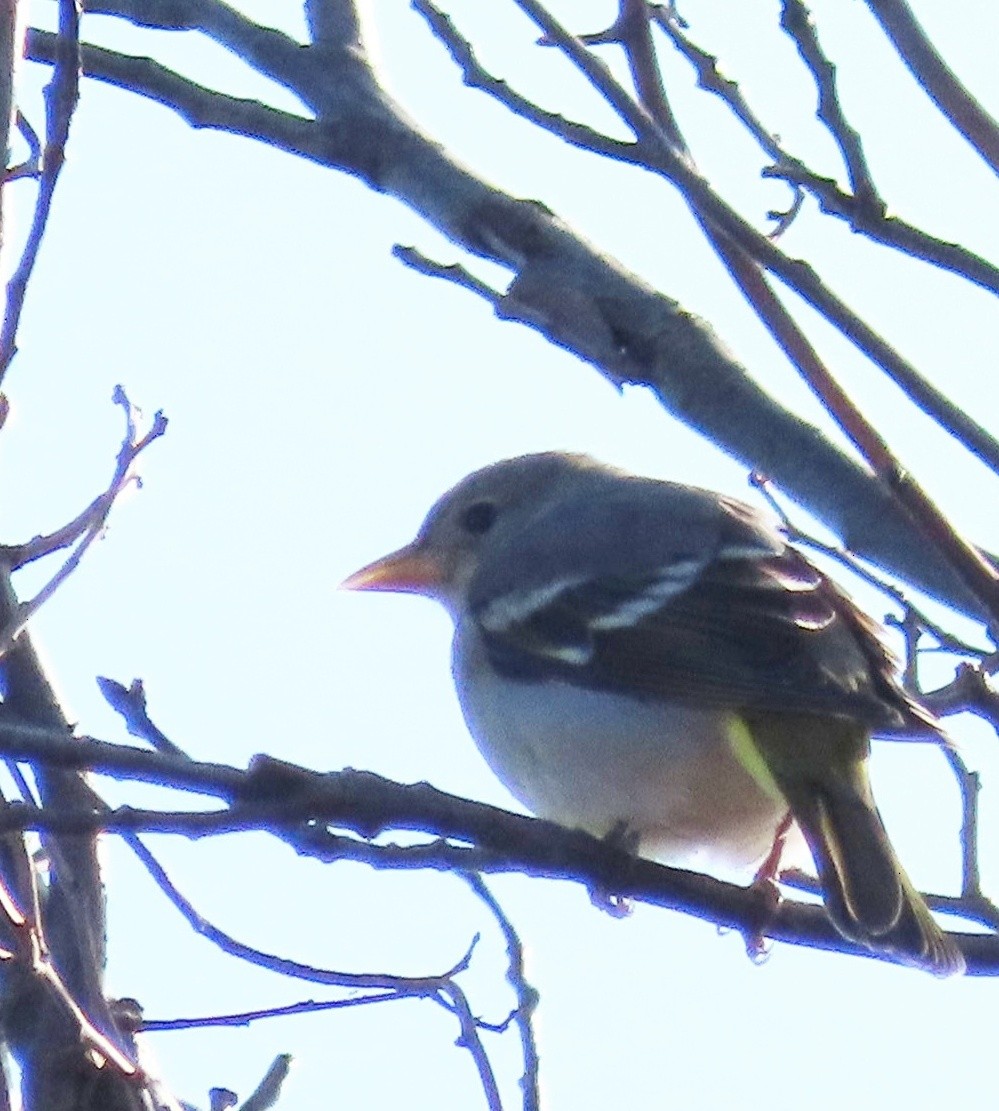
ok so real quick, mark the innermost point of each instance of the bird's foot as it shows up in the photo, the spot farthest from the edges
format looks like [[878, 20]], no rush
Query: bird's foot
[[617, 906], [758, 946], [754, 933], [769, 870]]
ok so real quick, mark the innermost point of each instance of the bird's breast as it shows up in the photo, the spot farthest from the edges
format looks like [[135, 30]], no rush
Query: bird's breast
[[598, 760]]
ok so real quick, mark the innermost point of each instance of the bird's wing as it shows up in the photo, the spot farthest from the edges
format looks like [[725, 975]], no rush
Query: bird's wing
[[681, 594]]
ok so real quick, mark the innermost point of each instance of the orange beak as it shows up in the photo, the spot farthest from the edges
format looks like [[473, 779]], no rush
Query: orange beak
[[407, 571]]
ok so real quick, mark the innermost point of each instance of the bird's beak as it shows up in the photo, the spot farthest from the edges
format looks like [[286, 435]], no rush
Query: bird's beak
[[407, 571]]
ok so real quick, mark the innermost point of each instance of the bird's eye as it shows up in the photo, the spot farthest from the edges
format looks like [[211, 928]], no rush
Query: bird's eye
[[479, 517]]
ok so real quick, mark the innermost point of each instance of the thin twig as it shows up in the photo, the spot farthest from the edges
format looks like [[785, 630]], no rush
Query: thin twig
[[424, 986], [32, 165], [476, 76], [470, 1040], [245, 1018], [268, 1091], [661, 156], [632, 30], [453, 272], [130, 703], [711, 78], [20, 555], [526, 995], [868, 219], [978, 573], [969, 692], [970, 785], [891, 231], [85, 529], [61, 96], [797, 21]]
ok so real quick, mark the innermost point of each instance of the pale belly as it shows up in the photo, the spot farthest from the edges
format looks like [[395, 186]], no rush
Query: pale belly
[[596, 761]]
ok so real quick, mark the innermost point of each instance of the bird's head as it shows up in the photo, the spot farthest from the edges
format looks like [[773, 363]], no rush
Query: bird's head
[[493, 502]]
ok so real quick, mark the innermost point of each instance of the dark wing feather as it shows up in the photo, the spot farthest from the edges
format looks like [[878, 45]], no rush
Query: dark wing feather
[[715, 611]]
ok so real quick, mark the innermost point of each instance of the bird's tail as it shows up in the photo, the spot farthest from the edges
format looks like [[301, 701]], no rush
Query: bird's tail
[[867, 893]]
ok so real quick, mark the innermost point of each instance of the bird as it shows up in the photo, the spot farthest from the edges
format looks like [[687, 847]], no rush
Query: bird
[[641, 657]]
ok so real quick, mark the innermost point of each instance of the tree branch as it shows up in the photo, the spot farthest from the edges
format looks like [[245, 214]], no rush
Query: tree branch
[[369, 805], [937, 78], [579, 298], [266, 50], [868, 220], [44, 1033], [797, 21], [61, 96], [197, 105], [527, 996], [563, 288]]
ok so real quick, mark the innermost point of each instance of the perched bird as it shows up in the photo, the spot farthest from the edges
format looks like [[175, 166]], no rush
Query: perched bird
[[641, 656]]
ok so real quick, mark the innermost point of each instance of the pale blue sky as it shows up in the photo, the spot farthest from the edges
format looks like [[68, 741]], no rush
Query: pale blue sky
[[320, 397]]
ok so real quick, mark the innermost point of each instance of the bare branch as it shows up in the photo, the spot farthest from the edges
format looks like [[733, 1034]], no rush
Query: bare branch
[[130, 702], [268, 51], [449, 272], [245, 1018], [970, 692], [471, 1041], [633, 32], [284, 966], [577, 298], [937, 78], [631, 112], [431, 987], [32, 165], [198, 106], [86, 528], [869, 220], [369, 805], [9, 50], [333, 23], [891, 231], [976, 572], [476, 77], [797, 21], [61, 96], [711, 78], [969, 783], [660, 156], [527, 996], [32, 953], [74, 910], [268, 1091], [581, 299]]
